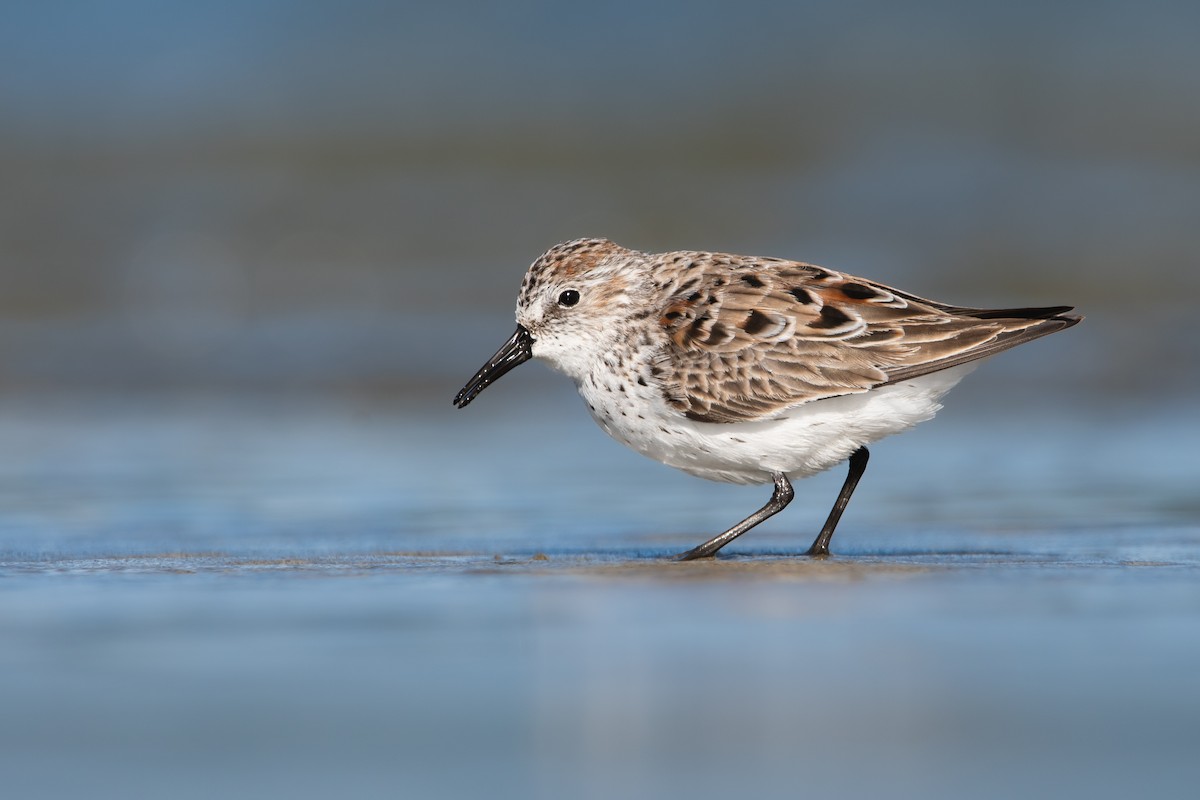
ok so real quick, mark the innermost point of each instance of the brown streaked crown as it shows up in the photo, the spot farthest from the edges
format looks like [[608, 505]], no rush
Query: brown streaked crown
[[566, 261]]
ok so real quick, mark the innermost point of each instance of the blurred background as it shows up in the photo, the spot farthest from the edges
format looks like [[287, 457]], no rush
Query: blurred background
[[312, 195], [250, 250]]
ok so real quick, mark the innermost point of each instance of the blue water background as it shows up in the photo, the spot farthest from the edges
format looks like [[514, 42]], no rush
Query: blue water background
[[249, 251]]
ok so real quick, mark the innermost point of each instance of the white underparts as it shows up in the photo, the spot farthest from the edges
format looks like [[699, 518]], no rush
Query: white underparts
[[799, 442]]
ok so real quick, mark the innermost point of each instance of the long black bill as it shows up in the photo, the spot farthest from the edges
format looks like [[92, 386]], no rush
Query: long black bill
[[516, 350]]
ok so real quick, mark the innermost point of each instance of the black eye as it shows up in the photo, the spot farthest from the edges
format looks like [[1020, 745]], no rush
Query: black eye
[[568, 298]]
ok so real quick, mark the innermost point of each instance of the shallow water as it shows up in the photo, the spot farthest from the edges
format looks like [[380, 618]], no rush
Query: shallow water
[[270, 596]]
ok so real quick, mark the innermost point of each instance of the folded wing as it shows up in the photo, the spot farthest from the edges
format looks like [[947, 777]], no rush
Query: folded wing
[[754, 337]]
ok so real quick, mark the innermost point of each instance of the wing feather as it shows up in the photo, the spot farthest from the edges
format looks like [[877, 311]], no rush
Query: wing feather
[[754, 337]]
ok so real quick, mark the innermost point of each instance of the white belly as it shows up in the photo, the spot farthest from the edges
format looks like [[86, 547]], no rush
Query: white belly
[[800, 442]]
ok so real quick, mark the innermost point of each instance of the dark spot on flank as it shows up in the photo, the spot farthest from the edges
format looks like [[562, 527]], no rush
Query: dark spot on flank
[[756, 322], [802, 296], [717, 335], [719, 282], [641, 380], [696, 328], [693, 297], [830, 318], [856, 291], [673, 314], [752, 281]]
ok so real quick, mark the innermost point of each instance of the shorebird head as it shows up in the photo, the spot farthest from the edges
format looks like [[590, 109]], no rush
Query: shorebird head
[[569, 310]]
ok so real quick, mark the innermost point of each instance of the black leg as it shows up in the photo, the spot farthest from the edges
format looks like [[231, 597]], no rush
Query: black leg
[[779, 499], [858, 465]]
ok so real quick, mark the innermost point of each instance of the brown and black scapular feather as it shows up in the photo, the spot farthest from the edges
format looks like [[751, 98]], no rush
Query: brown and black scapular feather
[[818, 334]]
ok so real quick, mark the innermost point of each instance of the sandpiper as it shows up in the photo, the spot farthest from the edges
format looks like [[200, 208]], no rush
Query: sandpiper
[[745, 369]]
